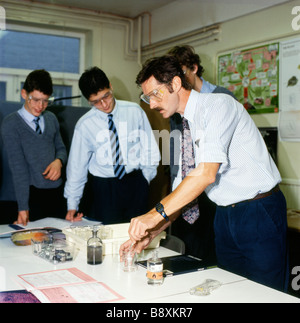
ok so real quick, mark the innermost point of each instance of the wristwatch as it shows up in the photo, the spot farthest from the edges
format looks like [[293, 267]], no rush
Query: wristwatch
[[160, 209]]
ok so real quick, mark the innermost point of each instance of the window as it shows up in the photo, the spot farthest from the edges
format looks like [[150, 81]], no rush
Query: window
[[3, 91], [61, 54]]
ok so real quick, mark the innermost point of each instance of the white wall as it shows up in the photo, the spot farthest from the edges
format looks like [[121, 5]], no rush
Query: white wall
[[184, 16]]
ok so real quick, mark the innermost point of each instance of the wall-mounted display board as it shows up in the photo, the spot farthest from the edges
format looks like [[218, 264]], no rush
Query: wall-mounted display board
[[253, 76], [289, 94]]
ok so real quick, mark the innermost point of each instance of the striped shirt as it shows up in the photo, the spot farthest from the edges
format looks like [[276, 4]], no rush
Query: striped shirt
[[223, 132], [91, 148]]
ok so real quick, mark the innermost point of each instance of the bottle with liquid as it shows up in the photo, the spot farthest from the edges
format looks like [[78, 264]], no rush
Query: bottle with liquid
[[94, 249], [155, 270]]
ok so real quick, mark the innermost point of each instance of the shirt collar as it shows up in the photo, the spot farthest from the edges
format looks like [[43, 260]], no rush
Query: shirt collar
[[190, 108], [207, 87], [27, 115], [104, 115]]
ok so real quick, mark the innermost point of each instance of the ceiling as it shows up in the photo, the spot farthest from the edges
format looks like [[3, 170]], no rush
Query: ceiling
[[126, 8], [133, 8]]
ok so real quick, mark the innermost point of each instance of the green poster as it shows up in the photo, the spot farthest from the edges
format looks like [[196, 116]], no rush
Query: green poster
[[252, 75]]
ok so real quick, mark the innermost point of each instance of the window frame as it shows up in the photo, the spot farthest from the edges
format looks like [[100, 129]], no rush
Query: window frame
[[14, 77]]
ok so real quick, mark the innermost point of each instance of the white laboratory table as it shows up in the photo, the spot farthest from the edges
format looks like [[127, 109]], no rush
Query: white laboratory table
[[133, 287]]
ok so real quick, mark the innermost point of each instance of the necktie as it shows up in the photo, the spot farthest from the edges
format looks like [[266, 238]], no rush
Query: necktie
[[190, 212], [37, 125], [119, 168]]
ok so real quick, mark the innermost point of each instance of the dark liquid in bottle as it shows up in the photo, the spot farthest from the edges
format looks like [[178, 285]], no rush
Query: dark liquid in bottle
[[94, 255]]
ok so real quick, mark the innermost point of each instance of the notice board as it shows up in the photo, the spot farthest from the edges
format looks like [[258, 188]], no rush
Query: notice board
[[252, 75]]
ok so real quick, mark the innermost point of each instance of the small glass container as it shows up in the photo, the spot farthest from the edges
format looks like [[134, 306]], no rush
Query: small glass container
[[129, 259], [94, 249], [155, 270]]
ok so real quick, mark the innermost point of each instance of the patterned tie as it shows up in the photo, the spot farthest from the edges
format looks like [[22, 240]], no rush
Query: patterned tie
[[190, 212], [119, 168], [37, 125]]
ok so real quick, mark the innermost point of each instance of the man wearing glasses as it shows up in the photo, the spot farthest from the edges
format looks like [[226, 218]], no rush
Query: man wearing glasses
[[113, 143], [232, 165], [199, 236], [36, 152]]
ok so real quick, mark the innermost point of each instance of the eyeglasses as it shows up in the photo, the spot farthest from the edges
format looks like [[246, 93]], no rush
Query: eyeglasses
[[106, 98], [35, 101], [156, 94]]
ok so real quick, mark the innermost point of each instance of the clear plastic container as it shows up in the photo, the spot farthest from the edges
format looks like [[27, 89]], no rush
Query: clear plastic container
[[205, 288]]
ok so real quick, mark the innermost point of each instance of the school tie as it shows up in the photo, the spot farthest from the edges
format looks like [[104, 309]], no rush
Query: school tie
[[37, 125], [190, 212], [119, 168]]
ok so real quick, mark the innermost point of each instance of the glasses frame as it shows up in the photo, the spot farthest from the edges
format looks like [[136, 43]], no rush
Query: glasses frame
[[106, 98], [47, 102], [155, 94]]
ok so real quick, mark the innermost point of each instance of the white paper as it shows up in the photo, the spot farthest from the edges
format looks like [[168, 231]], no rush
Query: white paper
[[46, 223], [67, 286], [289, 96]]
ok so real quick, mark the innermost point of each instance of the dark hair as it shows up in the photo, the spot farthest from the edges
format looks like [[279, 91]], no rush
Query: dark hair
[[92, 81], [186, 56], [39, 80], [163, 69]]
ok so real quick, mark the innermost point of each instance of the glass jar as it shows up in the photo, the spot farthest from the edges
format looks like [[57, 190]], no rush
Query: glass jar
[[94, 249]]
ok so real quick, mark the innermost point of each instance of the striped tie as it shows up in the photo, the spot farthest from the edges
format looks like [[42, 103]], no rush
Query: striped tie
[[191, 211], [37, 125], [117, 159]]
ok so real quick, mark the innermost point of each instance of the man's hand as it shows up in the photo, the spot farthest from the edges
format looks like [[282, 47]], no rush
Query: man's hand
[[141, 226], [23, 217], [53, 171], [73, 217], [135, 247]]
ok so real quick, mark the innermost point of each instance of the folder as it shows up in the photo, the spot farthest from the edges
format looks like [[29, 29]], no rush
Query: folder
[[181, 264]]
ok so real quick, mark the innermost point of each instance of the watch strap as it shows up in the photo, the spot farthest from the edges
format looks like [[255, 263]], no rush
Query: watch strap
[[160, 209]]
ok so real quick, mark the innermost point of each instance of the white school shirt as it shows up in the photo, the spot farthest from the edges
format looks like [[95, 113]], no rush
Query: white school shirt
[[91, 149], [223, 132]]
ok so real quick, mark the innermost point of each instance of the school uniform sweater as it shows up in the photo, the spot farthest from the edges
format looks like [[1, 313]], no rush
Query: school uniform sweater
[[30, 153]]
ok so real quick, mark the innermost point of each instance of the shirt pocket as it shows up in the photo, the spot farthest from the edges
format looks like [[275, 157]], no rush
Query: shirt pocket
[[103, 149], [132, 146], [198, 150]]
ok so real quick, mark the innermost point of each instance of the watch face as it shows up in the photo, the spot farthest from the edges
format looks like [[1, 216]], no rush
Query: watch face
[[159, 207]]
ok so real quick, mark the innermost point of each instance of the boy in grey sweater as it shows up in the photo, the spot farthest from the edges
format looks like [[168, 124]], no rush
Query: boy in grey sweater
[[36, 152]]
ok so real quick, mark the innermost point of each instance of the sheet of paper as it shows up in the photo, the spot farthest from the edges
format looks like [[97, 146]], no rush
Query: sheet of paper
[[67, 286], [60, 224], [57, 223], [94, 292], [54, 278]]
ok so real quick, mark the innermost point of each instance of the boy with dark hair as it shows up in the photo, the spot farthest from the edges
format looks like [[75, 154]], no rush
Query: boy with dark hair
[[115, 144], [36, 152]]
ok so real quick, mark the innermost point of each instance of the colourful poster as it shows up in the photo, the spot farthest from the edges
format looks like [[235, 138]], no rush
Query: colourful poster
[[252, 75]]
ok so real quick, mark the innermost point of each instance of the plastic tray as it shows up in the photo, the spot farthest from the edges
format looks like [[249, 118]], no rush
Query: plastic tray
[[112, 237]]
